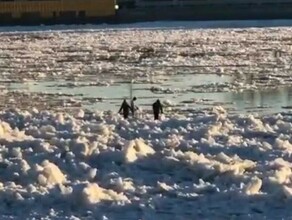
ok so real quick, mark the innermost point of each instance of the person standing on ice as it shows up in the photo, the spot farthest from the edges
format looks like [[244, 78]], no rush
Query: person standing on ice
[[125, 108], [157, 108], [133, 106]]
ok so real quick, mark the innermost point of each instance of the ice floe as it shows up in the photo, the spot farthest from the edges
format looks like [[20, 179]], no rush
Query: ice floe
[[105, 164]]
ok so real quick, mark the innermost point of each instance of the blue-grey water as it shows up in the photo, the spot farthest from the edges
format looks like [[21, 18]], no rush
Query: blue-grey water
[[271, 100], [153, 25]]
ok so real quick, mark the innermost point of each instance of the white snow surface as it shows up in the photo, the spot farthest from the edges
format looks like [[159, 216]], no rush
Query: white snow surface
[[96, 165]]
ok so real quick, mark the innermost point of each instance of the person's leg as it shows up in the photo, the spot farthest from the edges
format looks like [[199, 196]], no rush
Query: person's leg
[[156, 116], [125, 116]]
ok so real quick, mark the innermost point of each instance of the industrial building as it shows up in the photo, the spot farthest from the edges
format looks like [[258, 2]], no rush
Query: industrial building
[[153, 10], [56, 11], [96, 11]]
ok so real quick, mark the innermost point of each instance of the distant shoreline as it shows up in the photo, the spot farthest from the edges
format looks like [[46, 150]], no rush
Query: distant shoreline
[[192, 13], [205, 13]]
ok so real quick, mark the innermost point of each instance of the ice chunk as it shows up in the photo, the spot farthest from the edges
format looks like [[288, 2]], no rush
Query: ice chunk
[[279, 162], [256, 123], [284, 127], [91, 173], [168, 103], [18, 196], [80, 114], [253, 186], [214, 130], [48, 129], [222, 157], [93, 194], [16, 152], [60, 118], [234, 140], [10, 135], [195, 159], [24, 166], [122, 185], [51, 175], [4, 129], [173, 141], [219, 111], [164, 186], [81, 147], [65, 190], [283, 144], [266, 146], [103, 130], [281, 175], [35, 110], [137, 149], [287, 191]]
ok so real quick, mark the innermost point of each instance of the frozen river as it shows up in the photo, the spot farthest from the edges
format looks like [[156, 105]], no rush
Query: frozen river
[[186, 64], [62, 157]]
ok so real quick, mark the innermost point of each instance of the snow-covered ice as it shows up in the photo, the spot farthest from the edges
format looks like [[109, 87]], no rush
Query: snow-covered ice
[[95, 165]]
